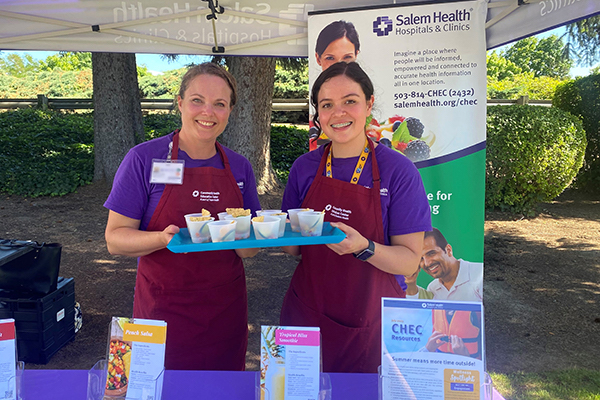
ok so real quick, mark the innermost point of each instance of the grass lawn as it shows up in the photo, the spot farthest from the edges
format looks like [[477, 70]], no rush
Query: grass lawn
[[574, 384]]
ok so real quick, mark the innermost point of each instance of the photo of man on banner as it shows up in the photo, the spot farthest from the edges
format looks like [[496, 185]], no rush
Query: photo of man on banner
[[454, 279]]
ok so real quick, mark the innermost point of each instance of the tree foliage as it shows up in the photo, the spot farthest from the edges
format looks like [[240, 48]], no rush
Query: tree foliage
[[16, 66], [67, 61], [290, 83], [499, 67], [522, 84], [165, 86], [56, 83], [67, 74], [543, 57], [584, 35], [581, 97], [531, 67]]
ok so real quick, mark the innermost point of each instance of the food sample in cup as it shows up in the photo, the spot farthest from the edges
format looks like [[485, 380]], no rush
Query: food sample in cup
[[222, 231], [237, 212], [311, 223], [242, 230], [265, 227], [293, 213], [197, 225]]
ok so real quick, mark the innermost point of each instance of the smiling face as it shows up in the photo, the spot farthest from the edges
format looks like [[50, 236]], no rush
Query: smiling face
[[436, 261], [338, 50], [205, 108], [343, 111]]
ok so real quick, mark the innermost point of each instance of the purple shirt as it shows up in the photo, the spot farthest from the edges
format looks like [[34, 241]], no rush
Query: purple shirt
[[133, 195], [404, 204]]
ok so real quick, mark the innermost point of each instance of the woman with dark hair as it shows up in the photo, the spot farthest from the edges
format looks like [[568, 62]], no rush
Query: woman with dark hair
[[376, 197], [202, 296], [337, 42]]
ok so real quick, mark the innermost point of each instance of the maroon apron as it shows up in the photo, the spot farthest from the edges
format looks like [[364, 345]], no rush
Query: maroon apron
[[340, 294], [201, 295]]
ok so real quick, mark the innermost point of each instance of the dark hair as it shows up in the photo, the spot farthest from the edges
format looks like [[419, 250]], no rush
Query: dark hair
[[352, 70], [334, 31], [440, 240], [209, 69]]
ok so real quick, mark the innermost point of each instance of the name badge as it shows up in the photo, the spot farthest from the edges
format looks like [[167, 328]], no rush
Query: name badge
[[167, 172]]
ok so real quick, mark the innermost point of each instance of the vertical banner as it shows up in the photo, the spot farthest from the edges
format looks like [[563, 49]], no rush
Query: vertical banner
[[428, 66]]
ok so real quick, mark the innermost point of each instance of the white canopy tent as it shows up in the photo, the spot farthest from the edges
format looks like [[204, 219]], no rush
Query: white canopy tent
[[241, 27]]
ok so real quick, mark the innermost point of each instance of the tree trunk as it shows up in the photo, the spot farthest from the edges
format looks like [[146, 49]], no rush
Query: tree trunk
[[249, 128], [118, 122]]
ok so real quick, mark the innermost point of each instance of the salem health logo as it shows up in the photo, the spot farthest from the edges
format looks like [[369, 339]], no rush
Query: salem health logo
[[382, 26]]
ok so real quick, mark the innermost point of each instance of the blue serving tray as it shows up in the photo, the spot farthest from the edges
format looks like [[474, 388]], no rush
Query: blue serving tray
[[182, 243]]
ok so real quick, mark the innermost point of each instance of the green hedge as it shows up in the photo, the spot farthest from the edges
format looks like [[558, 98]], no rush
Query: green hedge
[[533, 154], [287, 144], [581, 97], [156, 125], [49, 153], [45, 152]]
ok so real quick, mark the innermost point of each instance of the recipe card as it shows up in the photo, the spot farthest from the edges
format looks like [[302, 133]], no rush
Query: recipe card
[[8, 359], [432, 350], [290, 362], [136, 358]]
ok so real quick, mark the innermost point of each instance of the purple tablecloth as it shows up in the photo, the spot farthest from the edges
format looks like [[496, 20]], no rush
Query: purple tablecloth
[[193, 385]]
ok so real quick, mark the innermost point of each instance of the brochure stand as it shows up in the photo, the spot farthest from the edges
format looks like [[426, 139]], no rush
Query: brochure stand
[[97, 384], [325, 389], [15, 383], [487, 388]]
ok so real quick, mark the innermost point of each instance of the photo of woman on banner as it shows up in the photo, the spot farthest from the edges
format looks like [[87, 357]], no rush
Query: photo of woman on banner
[[337, 42], [376, 197], [454, 279], [456, 332], [201, 295]]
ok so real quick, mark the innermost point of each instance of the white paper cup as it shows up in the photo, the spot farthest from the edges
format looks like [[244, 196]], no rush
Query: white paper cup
[[199, 232], [277, 214], [222, 215], [293, 213], [311, 223], [242, 230], [282, 222], [268, 229], [266, 212], [222, 231]]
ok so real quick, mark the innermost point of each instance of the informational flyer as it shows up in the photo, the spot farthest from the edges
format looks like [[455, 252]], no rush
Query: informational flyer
[[432, 350], [136, 358], [427, 63], [290, 363], [8, 359]]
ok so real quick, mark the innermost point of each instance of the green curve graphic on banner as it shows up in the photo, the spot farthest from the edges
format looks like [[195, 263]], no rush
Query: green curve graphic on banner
[[456, 194]]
